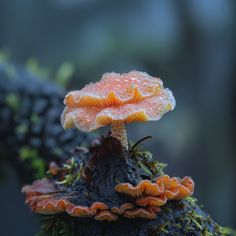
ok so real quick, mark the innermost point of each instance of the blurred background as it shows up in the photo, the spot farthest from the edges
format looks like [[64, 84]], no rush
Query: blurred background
[[190, 45]]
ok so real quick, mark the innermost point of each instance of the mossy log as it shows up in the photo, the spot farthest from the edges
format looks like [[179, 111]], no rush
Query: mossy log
[[184, 217], [101, 168]]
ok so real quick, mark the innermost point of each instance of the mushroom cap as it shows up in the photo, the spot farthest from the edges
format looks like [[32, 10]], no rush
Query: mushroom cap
[[106, 215], [146, 213], [130, 97], [156, 194], [50, 206], [83, 211], [40, 187], [144, 188], [120, 210], [152, 201], [176, 188], [44, 197]]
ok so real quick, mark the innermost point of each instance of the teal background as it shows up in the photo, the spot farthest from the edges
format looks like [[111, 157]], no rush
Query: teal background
[[190, 45]]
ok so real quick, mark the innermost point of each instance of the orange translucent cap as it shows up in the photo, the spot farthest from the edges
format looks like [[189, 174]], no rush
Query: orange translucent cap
[[130, 97]]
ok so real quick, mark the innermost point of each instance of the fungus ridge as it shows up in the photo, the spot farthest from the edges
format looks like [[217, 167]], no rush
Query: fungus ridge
[[115, 89], [92, 118], [158, 193], [141, 98], [53, 203]]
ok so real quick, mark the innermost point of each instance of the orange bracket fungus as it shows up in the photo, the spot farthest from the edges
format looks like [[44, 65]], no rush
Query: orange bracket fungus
[[106, 181], [117, 99], [156, 194]]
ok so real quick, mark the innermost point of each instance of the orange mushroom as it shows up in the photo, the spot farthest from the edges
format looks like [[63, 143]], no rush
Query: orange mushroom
[[82, 211], [98, 206], [122, 209], [156, 194], [39, 187], [144, 188], [45, 198], [106, 215], [152, 201], [79, 211], [50, 206], [146, 213], [117, 99], [176, 188]]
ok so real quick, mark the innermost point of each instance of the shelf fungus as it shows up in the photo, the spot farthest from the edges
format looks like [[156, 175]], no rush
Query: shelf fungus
[[145, 213], [115, 100], [148, 194], [45, 197]]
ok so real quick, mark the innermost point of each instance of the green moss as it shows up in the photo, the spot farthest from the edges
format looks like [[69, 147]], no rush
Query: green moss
[[225, 230], [33, 66], [145, 161], [34, 118], [176, 218], [56, 226], [190, 219], [31, 156], [22, 129], [64, 73], [13, 101], [73, 172]]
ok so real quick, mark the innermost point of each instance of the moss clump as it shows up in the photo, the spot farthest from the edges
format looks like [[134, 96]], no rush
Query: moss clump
[[150, 166], [187, 218], [31, 157], [145, 160], [13, 101], [56, 226], [72, 172]]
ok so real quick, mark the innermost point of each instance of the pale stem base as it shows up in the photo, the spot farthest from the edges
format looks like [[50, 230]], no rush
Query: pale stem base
[[118, 131]]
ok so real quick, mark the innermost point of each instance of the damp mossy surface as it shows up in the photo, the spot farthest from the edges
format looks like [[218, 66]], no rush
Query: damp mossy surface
[[184, 217]]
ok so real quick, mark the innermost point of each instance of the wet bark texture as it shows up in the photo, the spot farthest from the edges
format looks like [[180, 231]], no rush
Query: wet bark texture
[[105, 165], [176, 218]]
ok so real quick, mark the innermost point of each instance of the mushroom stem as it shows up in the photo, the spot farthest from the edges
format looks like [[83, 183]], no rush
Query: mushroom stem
[[118, 131]]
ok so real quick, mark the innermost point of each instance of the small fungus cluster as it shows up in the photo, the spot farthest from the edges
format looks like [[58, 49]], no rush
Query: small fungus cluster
[[116, 99], [148, 194], [46, 197]]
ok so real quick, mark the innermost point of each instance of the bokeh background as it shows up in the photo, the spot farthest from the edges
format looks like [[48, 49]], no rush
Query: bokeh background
[[191, 45]]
